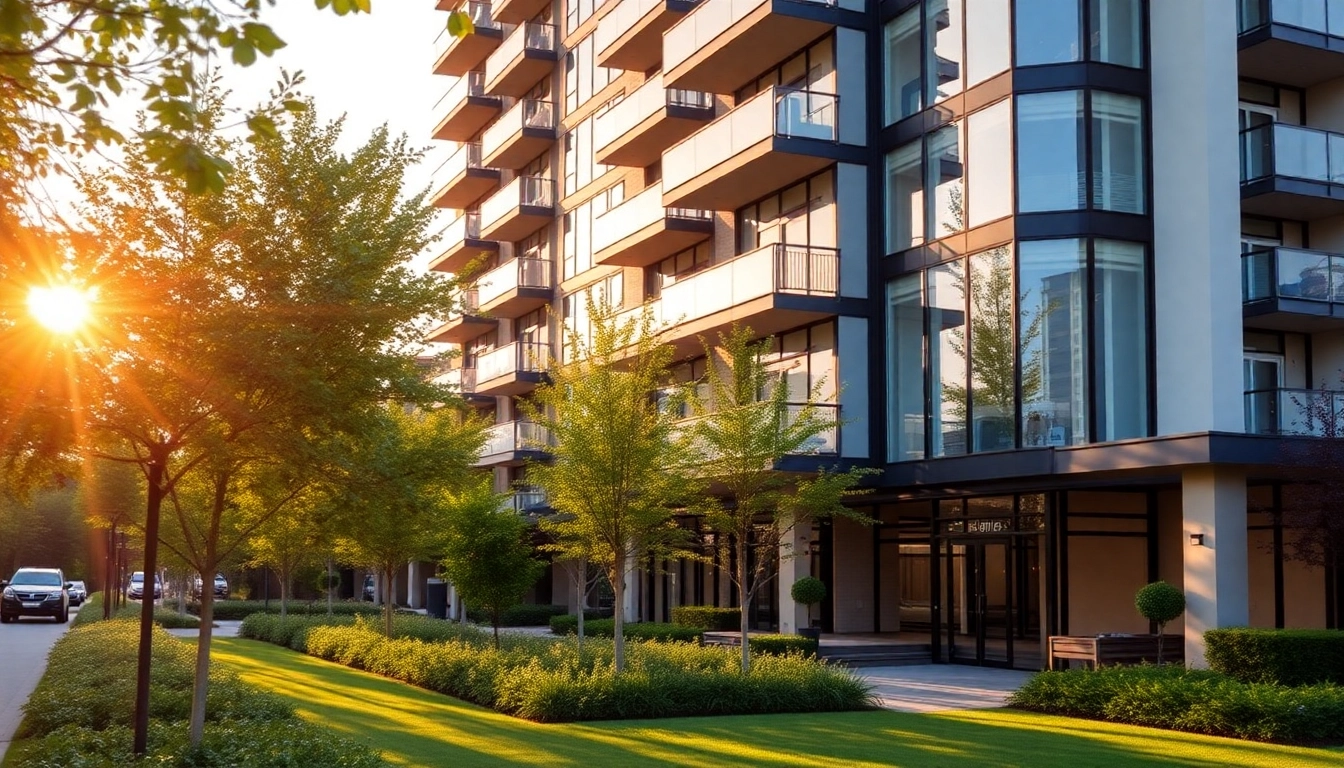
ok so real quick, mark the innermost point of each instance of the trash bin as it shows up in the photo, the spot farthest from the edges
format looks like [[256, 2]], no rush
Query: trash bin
[[436, 598]]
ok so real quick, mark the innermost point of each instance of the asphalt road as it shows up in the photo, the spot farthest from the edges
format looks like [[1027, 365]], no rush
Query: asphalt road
[[23, 647]]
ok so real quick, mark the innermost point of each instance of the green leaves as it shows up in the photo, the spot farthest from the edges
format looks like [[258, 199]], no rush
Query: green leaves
[[460, 24], [343, 7]]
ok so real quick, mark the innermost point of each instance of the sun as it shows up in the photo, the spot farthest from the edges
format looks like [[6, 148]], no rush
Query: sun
[[59, 308]]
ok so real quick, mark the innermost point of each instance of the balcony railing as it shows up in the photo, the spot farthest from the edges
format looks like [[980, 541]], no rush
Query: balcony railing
[[1279, 149], [778, 111], [708, 21], [512, 275], [525, 500], [470, 84], [467, 156], [636, 213], [527, 113], [826, 441], [480, 18], [514, 436], [621, 19], [529, 36], [1292, 273], [534, 191], [518, 357], [641, 105], [1306, 412], [463, 379], [1323, 16]]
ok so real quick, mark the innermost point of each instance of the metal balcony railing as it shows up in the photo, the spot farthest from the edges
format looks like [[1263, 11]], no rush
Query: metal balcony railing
[[533, 191], [636, 213], [1292, 273], [646, 100], [825, 442], [1305, 412], [1279, 149], [514, 274]]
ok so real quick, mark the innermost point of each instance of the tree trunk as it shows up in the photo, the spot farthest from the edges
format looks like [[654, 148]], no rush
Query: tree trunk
[[284, 593], [201, 685], [743, 602], [330, 588], [387, 601], [618, 616], [494, 619], [153, 506], [583, 603]]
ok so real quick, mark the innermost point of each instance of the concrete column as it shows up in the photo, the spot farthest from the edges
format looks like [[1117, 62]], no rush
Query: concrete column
[[630, 610], [377, 589], [415, 597], [1213, 505], [794, 564]]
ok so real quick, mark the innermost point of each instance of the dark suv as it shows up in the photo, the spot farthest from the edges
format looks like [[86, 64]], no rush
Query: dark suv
[[35, 592]]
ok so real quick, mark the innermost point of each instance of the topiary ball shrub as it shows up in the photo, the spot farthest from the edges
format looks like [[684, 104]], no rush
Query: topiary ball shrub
[[808, 590], [1160, 602]]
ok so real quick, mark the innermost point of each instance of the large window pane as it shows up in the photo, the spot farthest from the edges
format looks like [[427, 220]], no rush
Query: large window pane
[[944, 169], [1050, 151], [943, 46], [987, 43], [947, 358], [1121, 338], [904, 92], [1116, 33], [1048, 31], [905, 368], [1052, 339], [905, 197], [1117, 153], [993, 362], [989, 136]]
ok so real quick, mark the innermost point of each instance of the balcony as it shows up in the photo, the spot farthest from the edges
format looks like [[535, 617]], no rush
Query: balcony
[[637, 130], [630, 35], [461, 327], [513, 368], [771, 140], [1292, 42], [1292, 172], [514, 442], [725, 43], [640, 231], [523, 206], [462, 244], [516, 287], [1302, 412], [459, 55], [526, 56], [466, 109], [463, 381], [528, 501], [824, 443], [522, 133], [518, 11], [462, 179], [771, 289], [1290, 289]]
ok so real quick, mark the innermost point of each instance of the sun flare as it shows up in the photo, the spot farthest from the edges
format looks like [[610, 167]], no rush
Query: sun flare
[[59, 308]]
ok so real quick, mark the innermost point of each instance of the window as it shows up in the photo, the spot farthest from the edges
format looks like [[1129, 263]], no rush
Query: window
[[577, 256], [1051, 32], [580, 168], [607, 291], [803, 214], [1120, 335], [811, 70], [901, 69], [1050, 150], [929, 55], [946, 294], [943, 169], [805, 358], [1052, 341], [989, 136], [987, 41], [1116, 33], [942, 46], [577, 12], [676, 268], [905, 197], [993, 396], [583, 78], [1117, 153], [905, 368]]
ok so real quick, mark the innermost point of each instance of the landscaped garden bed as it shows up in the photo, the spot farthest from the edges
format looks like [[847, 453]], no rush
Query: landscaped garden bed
[[237, 610], [544, 680]]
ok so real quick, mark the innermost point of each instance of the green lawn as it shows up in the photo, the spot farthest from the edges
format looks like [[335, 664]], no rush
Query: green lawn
[[416, 727]]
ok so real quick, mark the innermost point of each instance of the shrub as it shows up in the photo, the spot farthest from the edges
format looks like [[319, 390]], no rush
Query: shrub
[[808, 590], [237, 610], [782, 645], [164, 617], [643, 630], [569, 624], [1284, 656], [519, 615], [707, 617]]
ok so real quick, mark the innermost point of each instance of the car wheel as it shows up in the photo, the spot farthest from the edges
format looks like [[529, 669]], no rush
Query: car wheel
[[63, 616], [5, 618]]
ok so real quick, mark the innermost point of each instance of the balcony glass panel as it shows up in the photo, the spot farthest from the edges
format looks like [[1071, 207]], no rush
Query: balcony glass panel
[[470, 84], [515, 436], [530, 36], [636, 213], [1324, 16], [1278, 149], [1292, 273], [523, 501], [480, 18], [1306, 412], [710, 19], [512, 275], [525, 190], [467, 156], [642, 104]]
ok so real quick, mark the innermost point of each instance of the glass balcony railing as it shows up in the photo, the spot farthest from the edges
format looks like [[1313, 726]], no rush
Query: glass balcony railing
[[1324, 16], [512, 275], [518, 357], [642, 104], [1305, 412], [778, 111], [528, 36], [480, 18], [533, 191], [1292, 273], [513, 436], [1279, 149], [527, 113], [525, 500], [636, 213], [467, 156], [470, 84], [710, 19], [462, 380]]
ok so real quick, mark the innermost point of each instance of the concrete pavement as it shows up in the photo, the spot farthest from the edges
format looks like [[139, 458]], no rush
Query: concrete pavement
[[938, 687], [23, 647]]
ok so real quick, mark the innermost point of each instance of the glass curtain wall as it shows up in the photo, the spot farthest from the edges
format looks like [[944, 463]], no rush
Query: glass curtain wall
[[1055, 169], [936, 50], [1051, 32]]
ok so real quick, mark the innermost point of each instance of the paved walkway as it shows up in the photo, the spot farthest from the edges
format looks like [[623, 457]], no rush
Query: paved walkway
[[222, 629], [937, 687], [23, 647]]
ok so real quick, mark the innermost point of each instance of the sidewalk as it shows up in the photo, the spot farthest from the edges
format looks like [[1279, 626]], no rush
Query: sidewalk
[[938, 687]]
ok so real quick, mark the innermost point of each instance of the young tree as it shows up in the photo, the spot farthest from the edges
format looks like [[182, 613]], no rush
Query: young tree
[[285, 542], [395, 488], [487, 554], [743, 432], [613, 477]]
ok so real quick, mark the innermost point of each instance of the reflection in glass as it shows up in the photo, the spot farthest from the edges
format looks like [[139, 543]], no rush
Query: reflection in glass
[[905, 371], [947, 358], [987, 43], [1121, 338], [905, 197], [989, 175], [1052, 339], [1048, 31], [1116, 33], [1117, 153], [1050, 151], [943, 43], [993, 359], [903, 85], [944, 169]]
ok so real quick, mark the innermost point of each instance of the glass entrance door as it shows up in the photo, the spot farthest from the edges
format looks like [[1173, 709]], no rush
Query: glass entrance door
[[979, 590]]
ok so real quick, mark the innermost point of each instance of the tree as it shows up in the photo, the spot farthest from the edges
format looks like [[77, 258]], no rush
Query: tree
[[44, 529], [613, 476], [1160, 603], [285, 542], [487, 554], [238, 331], [747, 426], [396, 485]]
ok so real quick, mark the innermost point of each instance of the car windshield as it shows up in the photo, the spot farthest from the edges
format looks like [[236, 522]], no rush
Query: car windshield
[[137, 577], [38, 578]]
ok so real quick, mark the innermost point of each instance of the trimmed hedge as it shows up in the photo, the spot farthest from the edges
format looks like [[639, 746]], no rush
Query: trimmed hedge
[[782, 645], [292, 631], [1196, 701], [707, 617], [237, 610], [165, 617], [519, 615], [643, 630], [1284, 656]]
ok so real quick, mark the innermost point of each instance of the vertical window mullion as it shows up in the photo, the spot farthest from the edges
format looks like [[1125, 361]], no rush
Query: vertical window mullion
[[1089, 332]]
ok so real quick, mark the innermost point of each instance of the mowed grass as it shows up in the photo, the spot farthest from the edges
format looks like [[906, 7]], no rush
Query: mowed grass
[[416, 727]]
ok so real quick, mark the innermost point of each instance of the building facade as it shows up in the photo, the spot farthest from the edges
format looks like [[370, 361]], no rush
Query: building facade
[[1003, 235]]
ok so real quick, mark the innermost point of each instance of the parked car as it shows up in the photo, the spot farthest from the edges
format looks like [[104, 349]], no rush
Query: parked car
[[221, 586], [136, 589], [35, 592], [78, 593], [368, 587]]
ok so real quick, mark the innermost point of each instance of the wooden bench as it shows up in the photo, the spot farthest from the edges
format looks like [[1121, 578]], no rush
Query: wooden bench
[[1099, 650]]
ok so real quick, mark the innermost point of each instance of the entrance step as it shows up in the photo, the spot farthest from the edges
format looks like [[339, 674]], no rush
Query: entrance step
[[874, 655]]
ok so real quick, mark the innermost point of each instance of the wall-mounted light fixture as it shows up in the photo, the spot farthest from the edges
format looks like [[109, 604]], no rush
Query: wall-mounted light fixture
[[1196, 539]]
